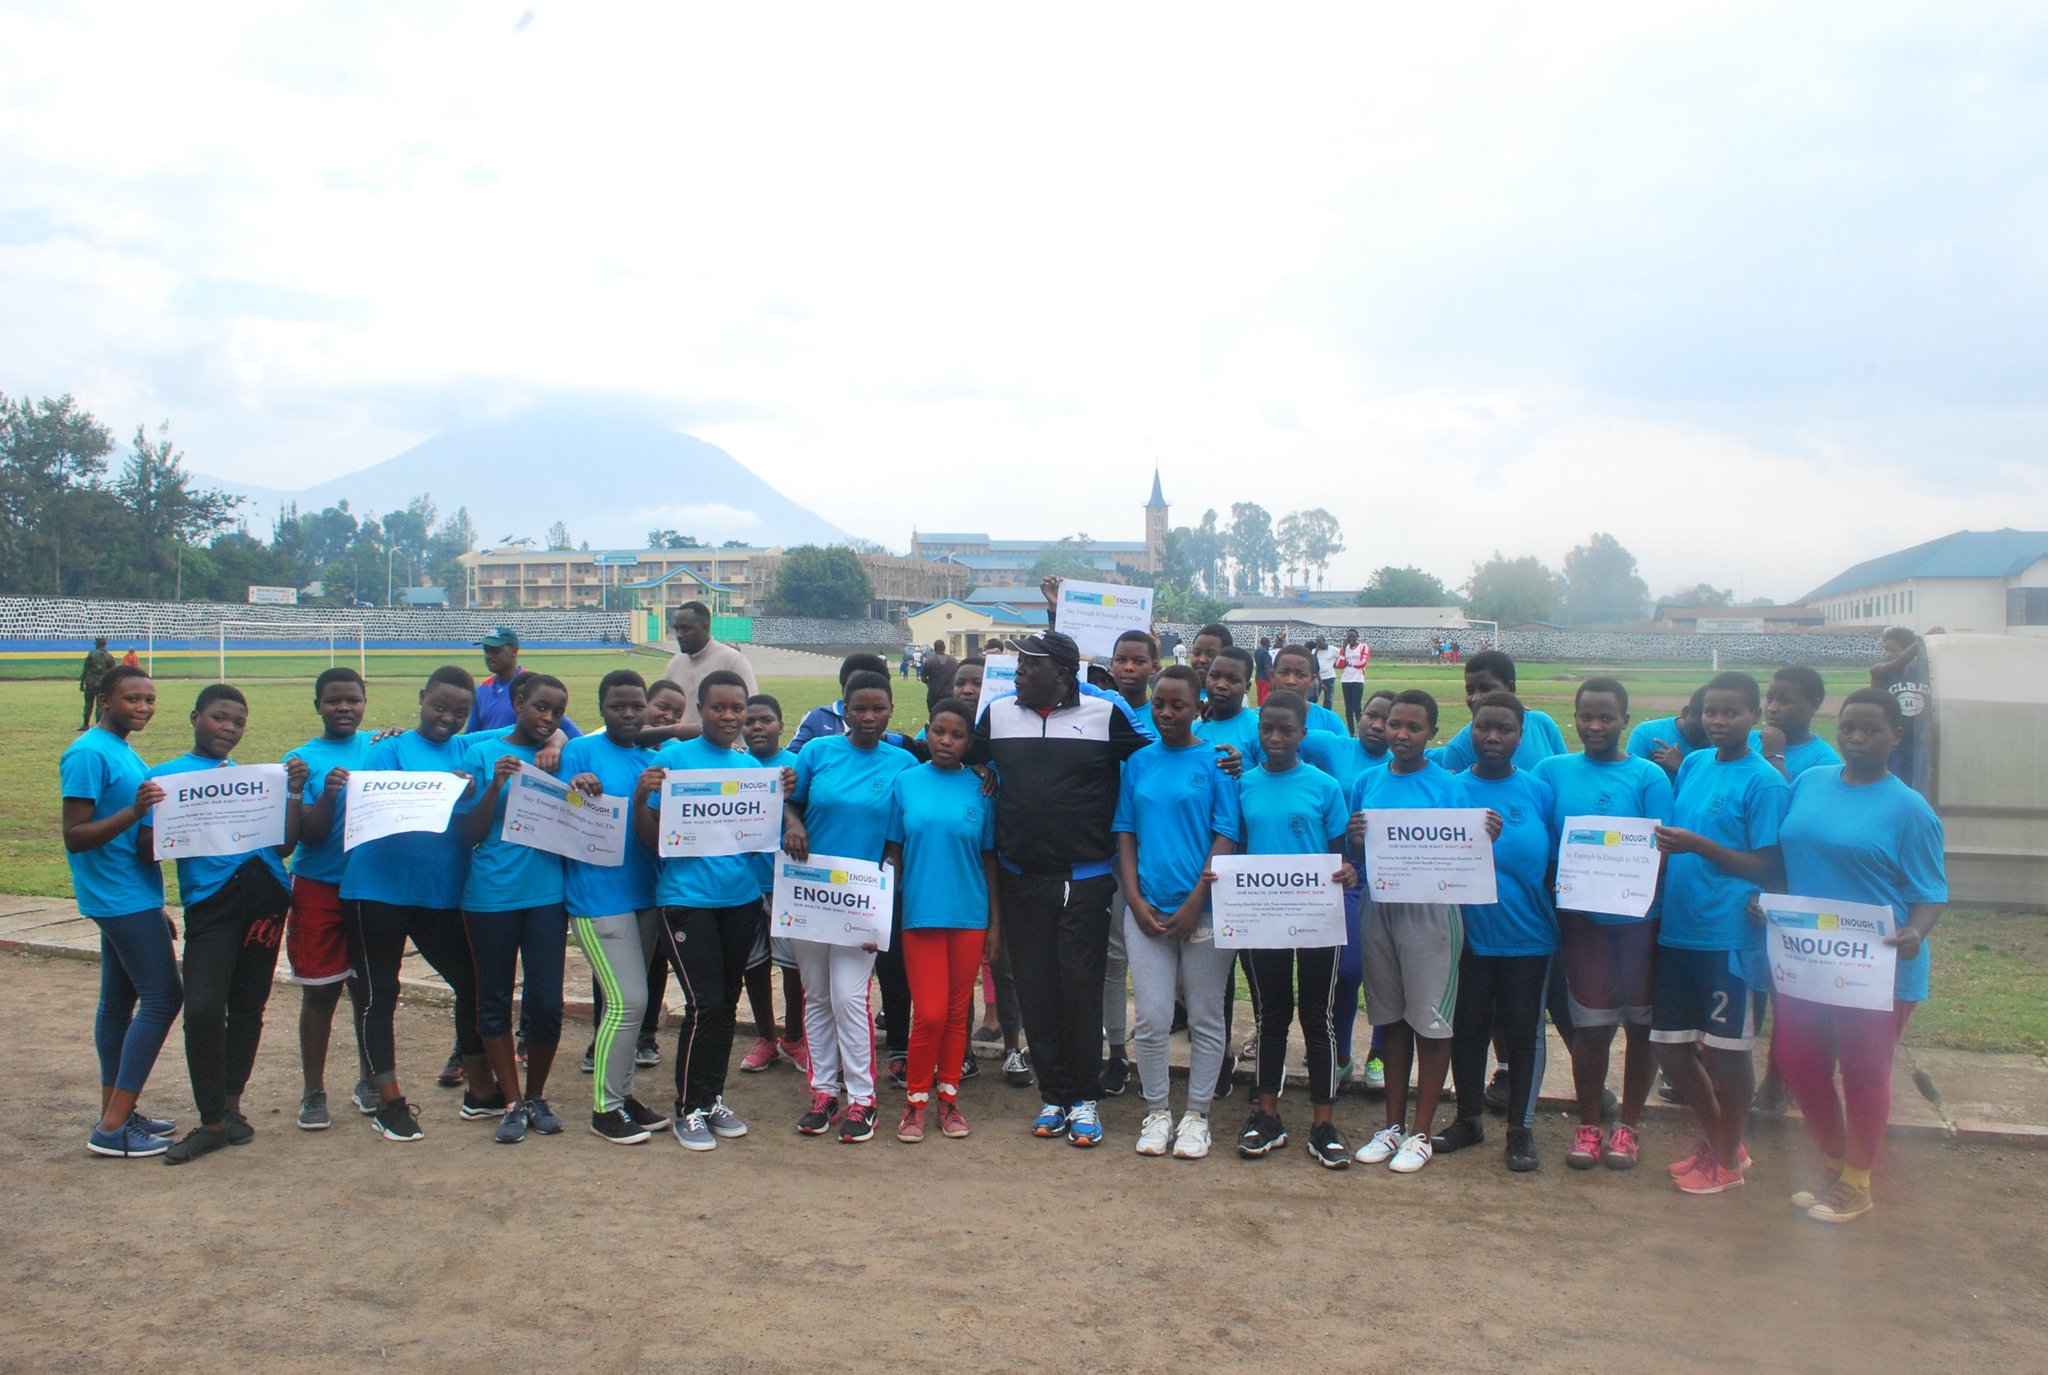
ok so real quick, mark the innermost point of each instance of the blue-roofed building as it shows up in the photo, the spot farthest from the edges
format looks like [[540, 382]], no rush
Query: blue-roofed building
[[1990, 581], [1007, 563], [966, 626]]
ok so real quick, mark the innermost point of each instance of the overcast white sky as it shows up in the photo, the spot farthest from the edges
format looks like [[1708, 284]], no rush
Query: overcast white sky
[[1757, 288]]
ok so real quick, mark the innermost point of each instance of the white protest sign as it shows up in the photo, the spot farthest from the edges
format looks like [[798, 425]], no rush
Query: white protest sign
[[386, 802], [1093, 614], [1277, 902], [998, 679], [707, 812], [228, 811], [1830, 952], [1607, 864], [544, 813], [1429, 854], [832, 900]]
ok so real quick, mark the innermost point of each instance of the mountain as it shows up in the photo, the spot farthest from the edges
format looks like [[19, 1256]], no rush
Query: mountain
[[610, 480]]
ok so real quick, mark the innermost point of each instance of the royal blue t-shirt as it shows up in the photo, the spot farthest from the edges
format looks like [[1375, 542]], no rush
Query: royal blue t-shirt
[[200, 877], [1878, 843], [493, 709], [706, 880], [102, 768], [505, 876], [845, 793], [1341, 757], [1522, 921], [609, 890], [1737, 803], [1175, 801], [1627, 786], [326, 861], [413, 868], [1540, 739], [1642, 741], [1432, 785], [944, 825], [1810, 753], [1298, 812], [1240, 731]]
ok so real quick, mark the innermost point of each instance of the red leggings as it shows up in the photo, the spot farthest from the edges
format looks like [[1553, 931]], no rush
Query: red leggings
[[942, 966], [1811, 1041]]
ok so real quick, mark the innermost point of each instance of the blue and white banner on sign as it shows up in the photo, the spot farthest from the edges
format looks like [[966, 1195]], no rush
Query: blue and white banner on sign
[[998, 679], [228, 811], [833, 900], [1277, 902], [1095, 613], [544, 813], [1830, 952], [1607, 864], [720, 812]]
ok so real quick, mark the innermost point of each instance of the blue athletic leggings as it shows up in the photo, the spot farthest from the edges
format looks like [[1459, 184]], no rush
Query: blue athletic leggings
[[140, 994], [530, 938]]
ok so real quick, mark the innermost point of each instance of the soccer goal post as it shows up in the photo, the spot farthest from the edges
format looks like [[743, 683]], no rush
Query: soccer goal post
[[337, 636]]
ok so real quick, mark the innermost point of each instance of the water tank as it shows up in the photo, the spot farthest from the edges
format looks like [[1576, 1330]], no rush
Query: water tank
[[1991, 766]]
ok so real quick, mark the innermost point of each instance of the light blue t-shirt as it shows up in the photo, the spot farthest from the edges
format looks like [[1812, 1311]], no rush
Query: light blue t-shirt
[[764, 864], [1878, 843], [1323, 721], [944, 825], [102, 768], [845, 793], [1627, 786], [1522, 921], [609, 890], [706, 880], [201, 877], [326, 861], [1432, 785], [1341, 757], [505, 876], [1810, 753], [1642, 741], [1540, 739], [1175, 801], [1240, 731], [1737, 803], [1297, 812], [413, 868]]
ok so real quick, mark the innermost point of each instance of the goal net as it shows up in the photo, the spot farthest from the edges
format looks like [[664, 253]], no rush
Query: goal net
[[338, 639]]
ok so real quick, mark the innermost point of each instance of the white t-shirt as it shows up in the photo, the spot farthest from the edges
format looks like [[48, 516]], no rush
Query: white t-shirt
[[1326, 662], [1354, 658]]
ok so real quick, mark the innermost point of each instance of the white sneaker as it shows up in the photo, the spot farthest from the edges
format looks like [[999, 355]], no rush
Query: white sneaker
[[1414, 1154], [1191, 1138], [1379, 1148], [1155, 1132]]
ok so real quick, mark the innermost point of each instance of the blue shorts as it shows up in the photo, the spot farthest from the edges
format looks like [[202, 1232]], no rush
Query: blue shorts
[[1702, 998]]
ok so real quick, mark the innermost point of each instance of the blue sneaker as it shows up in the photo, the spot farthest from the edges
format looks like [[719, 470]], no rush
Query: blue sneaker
[[512, 1130], [153, 1126], [126, 1142], [1084, 1125], [1050, 1122]]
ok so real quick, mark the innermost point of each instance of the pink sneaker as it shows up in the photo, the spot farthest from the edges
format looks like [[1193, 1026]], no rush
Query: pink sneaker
[[1701, 1154], [797, 1053], [760, 1057], [1709, 1179], [910, 1130], [1621, 1148], [951, 1123], [1585, 1151]]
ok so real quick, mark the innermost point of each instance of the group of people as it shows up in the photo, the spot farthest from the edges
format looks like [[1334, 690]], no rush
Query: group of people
[[1056, 842]]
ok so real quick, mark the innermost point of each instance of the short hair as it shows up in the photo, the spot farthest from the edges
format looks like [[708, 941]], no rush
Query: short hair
[[1603, 683], [1741, 683], [118, 674], [689, 608], [719, 677], [953, 706], [451, 675], [1217, 629], [1902, 634], [1136, 636], [977, 660], [867, 681], [338, 674], [661, 685], [1694, 703], [1236, 656], [619, 677], [762, 699], [860, 663], [1296, 651], [524, 685], [1416, 697], [220, 692], [939, 646], [1180, 673], [1494, 661], [1506, 700], [1387, 693], [1876, 697], [1287, 701], [1805, 681]]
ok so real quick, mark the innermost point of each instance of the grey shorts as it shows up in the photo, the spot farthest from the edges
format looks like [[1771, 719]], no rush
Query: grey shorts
[[1411, 951], [762, 950], [782, 952]]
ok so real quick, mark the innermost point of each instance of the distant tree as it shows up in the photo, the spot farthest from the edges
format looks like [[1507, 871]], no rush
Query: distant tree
[[735, 544], [826, 583], [1065, 558], [1761, 601], [1253, 550], [53, 455], [1390, 586], [1514, 590], [1195, 555], [1601, 583], [1320, 538], [1183, 606], [558, 536], [1699, 594], [452, 538], [669, 539], [165, 509]]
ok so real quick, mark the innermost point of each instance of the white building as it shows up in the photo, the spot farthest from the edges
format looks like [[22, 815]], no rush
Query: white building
[[1991, 581]]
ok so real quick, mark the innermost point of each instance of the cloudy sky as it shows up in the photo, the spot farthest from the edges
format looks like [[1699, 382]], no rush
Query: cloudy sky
[[1758, 288]]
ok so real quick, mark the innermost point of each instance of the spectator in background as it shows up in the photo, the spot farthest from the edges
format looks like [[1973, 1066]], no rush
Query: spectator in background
[[937, 674], [696, 655], [130, 660], [1352, 657], [1262, 668], [1903, 673], [97, 662], [493, 706], [1326, 671]]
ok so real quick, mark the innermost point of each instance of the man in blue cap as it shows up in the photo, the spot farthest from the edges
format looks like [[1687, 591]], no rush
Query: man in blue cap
[[493, 707]]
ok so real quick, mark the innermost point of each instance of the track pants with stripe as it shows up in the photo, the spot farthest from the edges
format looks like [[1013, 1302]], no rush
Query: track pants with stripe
[[377, 933], [618, 947], [1274, 1006], [838, 1018], [708, 948], [1504, 992]]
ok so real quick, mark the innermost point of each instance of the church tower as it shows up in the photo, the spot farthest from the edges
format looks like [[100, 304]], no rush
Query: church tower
[[1155, 525]]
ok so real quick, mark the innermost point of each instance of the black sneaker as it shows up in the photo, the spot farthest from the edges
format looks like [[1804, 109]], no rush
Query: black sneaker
[[240, 1133], [476, 1109], [1116, 1076], [1497, 1093], [643, 1115], [1771, 1099], [193, 1144], [1465, 1131], [1610, 1107], [970, 1068], [1227, 1080], [397, 1120], [1017, 1069], [647, 1054], [1263, 1134], [1522, 1156], [588, 1064], [1666, 1092], [1326, 1146], [987, 1036], [519, 1052], [452, 1074], [617, 1128]]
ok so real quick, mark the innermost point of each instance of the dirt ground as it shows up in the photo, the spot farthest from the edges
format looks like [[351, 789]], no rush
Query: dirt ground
[[339, 1251]]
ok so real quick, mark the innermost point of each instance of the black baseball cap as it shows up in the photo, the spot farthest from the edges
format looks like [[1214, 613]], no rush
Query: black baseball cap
[[1052, 645]]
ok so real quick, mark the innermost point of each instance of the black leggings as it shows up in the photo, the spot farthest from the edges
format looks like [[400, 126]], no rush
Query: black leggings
[[1273, 1005], [1354, 703], [377, 932], [1504, 991], [231, 941], [895, 985], [709, 947]]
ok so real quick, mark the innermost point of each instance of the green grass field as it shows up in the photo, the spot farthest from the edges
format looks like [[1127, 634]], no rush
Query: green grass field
[[1991, 981]]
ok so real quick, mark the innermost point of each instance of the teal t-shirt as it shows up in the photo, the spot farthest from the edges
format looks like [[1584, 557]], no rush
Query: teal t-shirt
[[1175, 801], [1540, 739], [326, 861], [1810, 753], [1628, 786], [609, 890], [1522, 920], [1429, 786], [944, 825], [706, 880], [203, 876], [1341, 757], [102, 768], [1737, 803], [1240, 731], [1297, 812], [413, 868], [845, 792], [505, 876]]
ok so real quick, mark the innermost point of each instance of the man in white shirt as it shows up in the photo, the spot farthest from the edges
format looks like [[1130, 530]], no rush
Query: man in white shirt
[[699, 654], [1326, 670]]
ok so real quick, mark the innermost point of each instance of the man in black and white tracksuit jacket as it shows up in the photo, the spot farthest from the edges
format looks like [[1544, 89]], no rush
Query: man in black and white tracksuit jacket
[[1059, 754]]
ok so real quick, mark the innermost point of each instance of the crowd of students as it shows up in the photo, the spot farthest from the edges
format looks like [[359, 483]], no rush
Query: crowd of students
[[1056, 847]]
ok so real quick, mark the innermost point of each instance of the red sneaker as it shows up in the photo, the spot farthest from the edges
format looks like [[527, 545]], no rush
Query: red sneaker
[[951, 1123], [1701, 1154], [797, 1053], [910, 1130], [760, 1056], [1709, 1179], [1585, 1151], [1621, 1148]]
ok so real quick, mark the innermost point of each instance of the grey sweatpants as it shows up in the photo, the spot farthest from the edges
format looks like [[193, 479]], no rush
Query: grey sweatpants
[[1116, 969], [619, 948], [1200, 973]]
